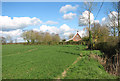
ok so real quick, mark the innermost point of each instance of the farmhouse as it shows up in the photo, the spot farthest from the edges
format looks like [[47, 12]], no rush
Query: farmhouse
[[76, 37]]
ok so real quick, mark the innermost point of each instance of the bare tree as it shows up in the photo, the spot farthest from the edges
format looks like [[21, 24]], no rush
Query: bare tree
[[117, 9], [113, 25], [114, 19], [9, 39], [89, 7], [2, 40]]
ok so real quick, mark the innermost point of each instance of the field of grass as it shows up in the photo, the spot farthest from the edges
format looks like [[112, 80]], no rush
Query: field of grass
[[48, 62], [88, 68]]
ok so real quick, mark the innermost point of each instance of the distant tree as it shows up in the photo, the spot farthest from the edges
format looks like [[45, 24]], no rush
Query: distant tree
[[15, 40], [47, 37], [2, 40], [55, 37], [9, 39], [39, 36], [71, 35], [26, 36], [32, 36]]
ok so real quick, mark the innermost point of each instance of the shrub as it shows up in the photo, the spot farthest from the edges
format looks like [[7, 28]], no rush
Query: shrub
[[108, 48]]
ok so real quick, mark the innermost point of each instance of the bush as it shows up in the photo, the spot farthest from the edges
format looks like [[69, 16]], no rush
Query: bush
[[108, 48]]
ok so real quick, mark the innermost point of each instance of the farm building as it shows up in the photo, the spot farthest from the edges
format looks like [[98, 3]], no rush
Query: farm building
[[76, 37]]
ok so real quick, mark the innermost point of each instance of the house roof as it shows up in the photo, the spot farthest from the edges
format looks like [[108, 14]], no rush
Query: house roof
[[73, 36]]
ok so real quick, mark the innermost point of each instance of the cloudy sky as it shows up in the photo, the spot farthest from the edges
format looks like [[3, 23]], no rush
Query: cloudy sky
[[54, 17]]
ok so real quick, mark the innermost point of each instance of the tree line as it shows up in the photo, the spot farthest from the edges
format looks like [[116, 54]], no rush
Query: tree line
[[40, 37]]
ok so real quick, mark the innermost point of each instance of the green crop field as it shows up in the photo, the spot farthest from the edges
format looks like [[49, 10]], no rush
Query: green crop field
[[49, 62]]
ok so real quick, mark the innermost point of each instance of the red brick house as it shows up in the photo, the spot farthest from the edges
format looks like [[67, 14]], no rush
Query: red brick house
[[76, 37]]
